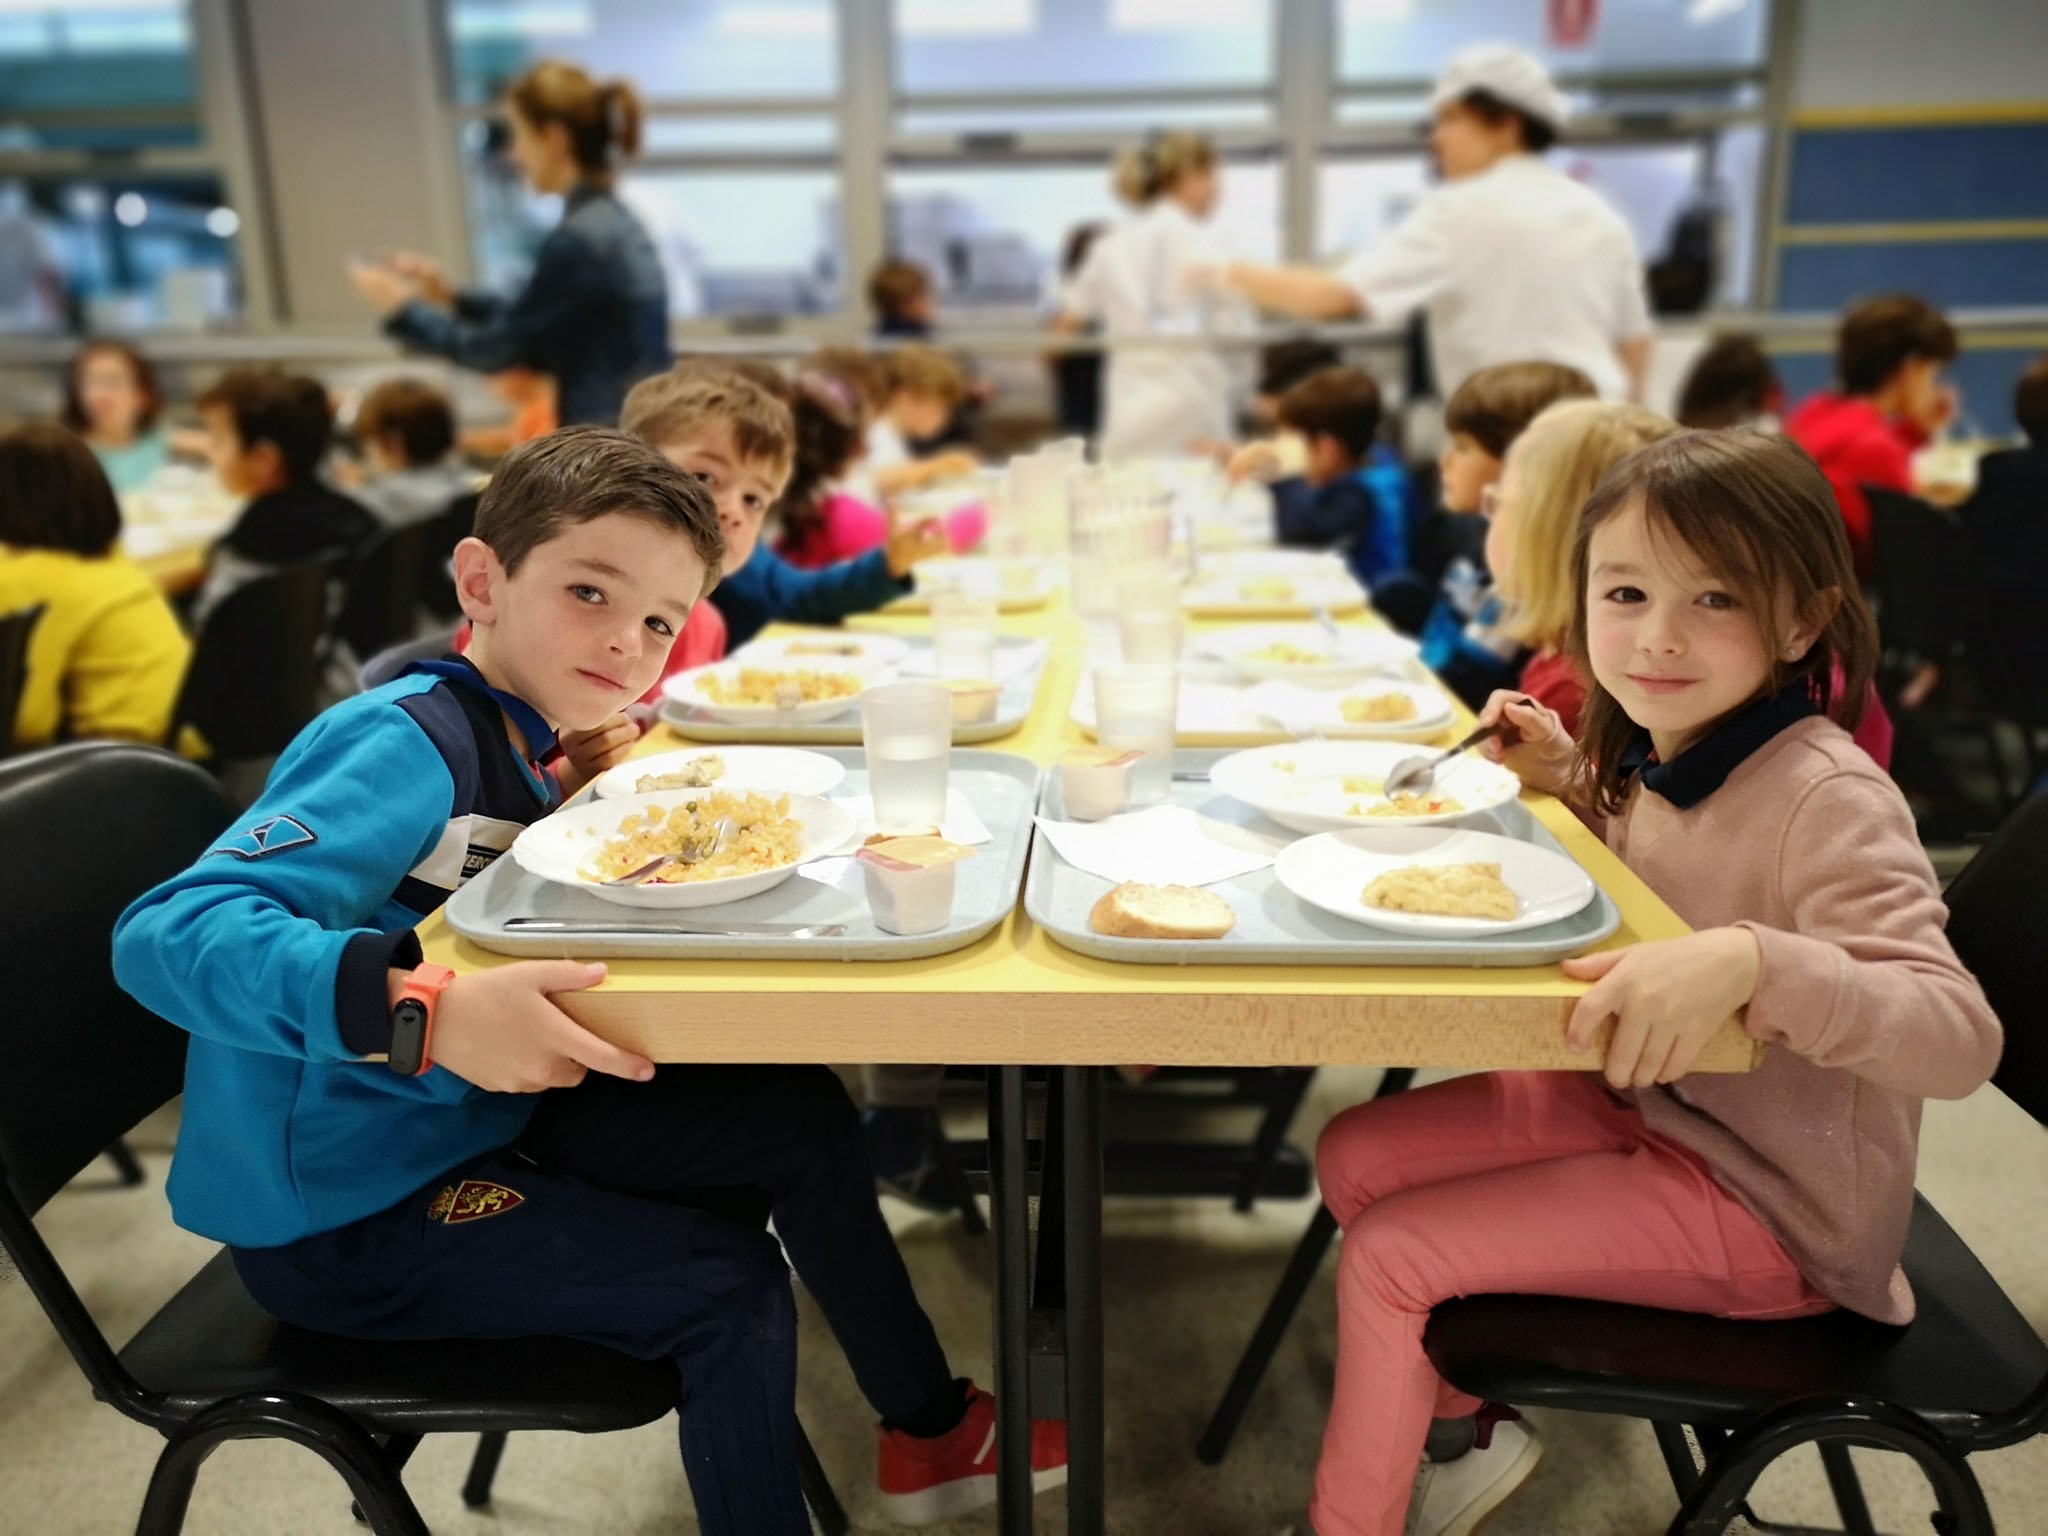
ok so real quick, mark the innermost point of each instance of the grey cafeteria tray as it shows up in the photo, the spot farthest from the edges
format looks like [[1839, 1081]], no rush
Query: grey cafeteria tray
[[1013, 708], [1002, 787], [1276, 927]]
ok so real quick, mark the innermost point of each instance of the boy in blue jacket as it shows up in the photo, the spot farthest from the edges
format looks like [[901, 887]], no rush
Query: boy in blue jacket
[[391, 1151]]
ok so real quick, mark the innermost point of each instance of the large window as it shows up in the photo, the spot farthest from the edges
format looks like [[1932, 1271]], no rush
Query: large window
[[1396, 40], [672, 50], [955, 47], [115, 216]]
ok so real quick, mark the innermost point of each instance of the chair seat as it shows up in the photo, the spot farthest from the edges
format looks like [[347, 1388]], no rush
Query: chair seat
[[211, 1341], [1964, 1363]]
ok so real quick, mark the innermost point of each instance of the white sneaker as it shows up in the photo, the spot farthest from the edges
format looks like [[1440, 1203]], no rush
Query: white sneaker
[[1455, 1498]]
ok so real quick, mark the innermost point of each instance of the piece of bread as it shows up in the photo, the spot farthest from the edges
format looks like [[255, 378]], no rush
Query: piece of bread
[[1134, 911]]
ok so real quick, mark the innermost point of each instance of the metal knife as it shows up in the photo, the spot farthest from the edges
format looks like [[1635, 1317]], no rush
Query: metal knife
[[671, 925]]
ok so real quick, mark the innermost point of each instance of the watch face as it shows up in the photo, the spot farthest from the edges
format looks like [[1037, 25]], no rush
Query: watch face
[[408, 1036]]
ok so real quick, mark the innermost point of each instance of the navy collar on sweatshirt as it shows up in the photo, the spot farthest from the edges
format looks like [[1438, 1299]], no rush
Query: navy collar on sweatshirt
[[1704, 766], [538, 734]]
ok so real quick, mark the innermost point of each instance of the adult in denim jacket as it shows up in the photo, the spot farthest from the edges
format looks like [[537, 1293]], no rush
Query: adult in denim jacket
[[595, 312]]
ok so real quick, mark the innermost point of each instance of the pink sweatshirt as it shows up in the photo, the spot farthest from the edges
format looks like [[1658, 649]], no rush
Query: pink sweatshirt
[[1865, 1006], [849, 527]]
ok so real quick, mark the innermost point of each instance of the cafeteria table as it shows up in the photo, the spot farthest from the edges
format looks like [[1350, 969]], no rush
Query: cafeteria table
[[1016, 1000]]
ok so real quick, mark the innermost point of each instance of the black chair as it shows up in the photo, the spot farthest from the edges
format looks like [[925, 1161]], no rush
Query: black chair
[[381, 607], [15, 629], [1926, 613], [436, 587], [387, 664], [1967, 1374], [254, 679], [103, 822]]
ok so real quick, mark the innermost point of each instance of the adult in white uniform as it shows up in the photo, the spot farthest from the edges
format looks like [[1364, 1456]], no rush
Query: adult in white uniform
[[1512, 259], [1142, 278]]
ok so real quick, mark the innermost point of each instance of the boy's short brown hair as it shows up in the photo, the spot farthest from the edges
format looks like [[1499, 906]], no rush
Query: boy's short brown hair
[[895, 285], [2030, 402], [926, 372], [580, 473], [415, 413], [1343, 403], [701, 390], [287, 410], [1880, 336], [862, 372], [1495, 405]]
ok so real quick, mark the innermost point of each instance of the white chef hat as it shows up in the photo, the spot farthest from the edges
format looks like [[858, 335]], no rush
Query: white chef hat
[[1509, 75]]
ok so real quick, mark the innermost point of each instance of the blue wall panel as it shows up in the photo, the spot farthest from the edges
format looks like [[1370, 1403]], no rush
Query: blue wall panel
[[1911, 174], [1952, 273]]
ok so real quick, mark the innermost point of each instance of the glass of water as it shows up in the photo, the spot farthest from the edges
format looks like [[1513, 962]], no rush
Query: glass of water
[[1136, 708], [907, 729], [964, 636], [1148, 619]]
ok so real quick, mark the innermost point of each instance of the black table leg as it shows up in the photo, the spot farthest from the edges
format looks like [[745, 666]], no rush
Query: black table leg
[[1008, 1151], [1081, 1164]]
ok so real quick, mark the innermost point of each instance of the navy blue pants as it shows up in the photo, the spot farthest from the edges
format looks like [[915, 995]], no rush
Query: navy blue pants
[[630, 1215]]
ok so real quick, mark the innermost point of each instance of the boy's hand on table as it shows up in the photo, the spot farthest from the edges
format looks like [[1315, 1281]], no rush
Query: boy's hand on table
[[1667, 998], [586, 754], [1255, 461], [912, 542], [500, 1029]]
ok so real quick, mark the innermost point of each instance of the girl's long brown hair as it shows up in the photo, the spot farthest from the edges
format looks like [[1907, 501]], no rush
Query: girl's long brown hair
[[1757, 512], [603, 120]]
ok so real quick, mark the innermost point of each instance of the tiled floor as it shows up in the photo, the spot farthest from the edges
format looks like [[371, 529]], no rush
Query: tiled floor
[[1184, 1283]]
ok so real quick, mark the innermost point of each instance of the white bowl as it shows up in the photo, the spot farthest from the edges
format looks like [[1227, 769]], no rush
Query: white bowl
[[1332, 870], [558, 847], [1299, 784], [771, 770], [1360, 653], [684, 688]]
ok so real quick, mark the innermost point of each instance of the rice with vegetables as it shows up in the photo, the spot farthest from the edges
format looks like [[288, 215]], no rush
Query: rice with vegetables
[[759, 685], [764, 837]]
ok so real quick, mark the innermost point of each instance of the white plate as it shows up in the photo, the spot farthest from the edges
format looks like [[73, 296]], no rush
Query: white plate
[[1309, 795], [1235, 596], [557, 847], [684, 689], [1320, 711], [868, 649], [1361, 653], [771, 770], [1332, 870], [1281, 564]]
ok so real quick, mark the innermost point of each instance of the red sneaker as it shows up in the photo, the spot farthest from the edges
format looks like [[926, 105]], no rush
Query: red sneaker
[[925, 1481]]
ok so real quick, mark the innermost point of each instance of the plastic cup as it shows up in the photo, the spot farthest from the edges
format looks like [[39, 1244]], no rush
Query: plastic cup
[[1135, 710], [1148, 617], [907, 731], [964, 635]]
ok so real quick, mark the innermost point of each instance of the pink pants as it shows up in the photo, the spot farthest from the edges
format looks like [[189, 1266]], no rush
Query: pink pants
[[1538, 1182]]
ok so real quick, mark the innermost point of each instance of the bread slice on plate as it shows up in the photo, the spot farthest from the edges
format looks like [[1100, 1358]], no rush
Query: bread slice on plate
[[1134, 911]]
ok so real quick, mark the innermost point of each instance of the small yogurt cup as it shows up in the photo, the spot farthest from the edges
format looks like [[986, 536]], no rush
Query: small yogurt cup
[[910, 882], [1095, 784], [974, 700]]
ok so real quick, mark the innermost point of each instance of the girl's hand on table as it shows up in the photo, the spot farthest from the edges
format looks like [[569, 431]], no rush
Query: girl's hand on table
[[1666, 998]]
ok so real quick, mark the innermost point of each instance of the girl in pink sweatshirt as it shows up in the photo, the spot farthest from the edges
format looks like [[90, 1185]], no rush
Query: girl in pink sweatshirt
[[1719, 620]]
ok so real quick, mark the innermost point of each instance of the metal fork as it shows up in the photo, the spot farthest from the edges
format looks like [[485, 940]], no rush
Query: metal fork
[[695, 853]]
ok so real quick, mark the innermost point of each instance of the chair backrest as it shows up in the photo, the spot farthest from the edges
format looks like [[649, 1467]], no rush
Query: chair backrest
[[1923, 563], [15, 628], [382, 604], [254, 680], [87, 827], [444, 532], [1998, 913], [387, 664]]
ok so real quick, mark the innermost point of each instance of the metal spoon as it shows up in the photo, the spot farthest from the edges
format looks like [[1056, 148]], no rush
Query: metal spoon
[[1323, 617], [1413, 775]]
